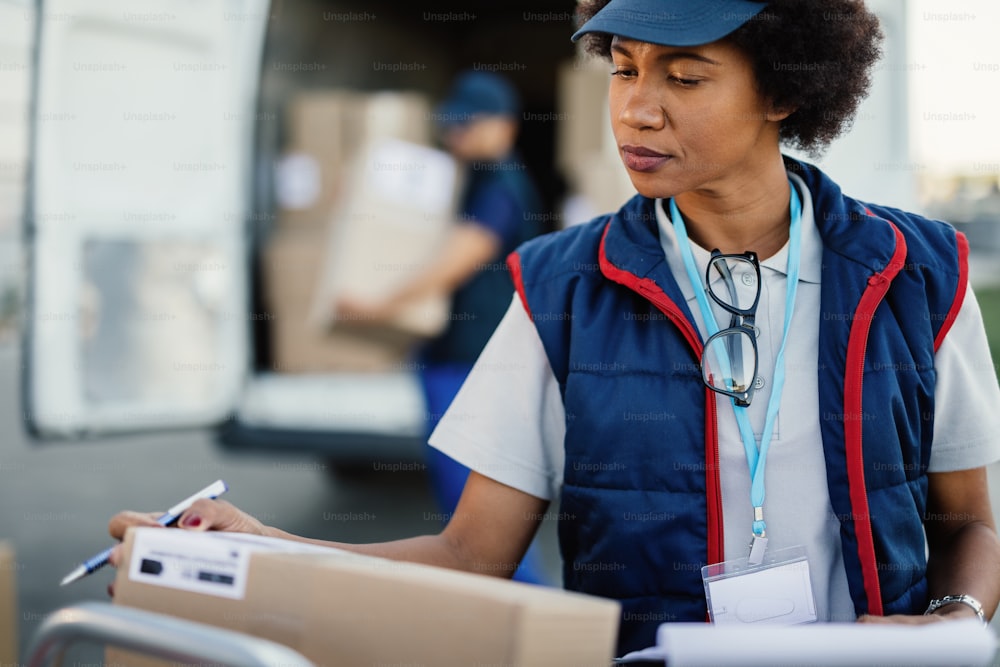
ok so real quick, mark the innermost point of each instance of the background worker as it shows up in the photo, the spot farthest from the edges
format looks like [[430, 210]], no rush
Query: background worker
[[479, 122]]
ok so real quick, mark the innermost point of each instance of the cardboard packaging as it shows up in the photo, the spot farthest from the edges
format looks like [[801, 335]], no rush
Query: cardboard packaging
[[325, 129], [372, 205], [8, 605], [293, 264], [402, 203], [343, 609]]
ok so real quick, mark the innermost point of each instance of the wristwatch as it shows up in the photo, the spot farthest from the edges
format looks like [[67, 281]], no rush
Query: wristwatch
[[967, 600]]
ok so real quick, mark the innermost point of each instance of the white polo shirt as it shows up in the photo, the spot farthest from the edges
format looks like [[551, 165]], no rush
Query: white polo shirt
[[508, 420]]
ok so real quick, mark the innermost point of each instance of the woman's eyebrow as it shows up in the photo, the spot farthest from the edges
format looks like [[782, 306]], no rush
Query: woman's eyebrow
[[689, 56], [670, 56]]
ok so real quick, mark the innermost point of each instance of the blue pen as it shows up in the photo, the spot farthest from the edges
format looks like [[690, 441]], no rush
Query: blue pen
[[213, 490]]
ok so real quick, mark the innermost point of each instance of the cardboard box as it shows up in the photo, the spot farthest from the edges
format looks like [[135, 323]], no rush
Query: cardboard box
[[343, 609], [8, 605], [401, 206], [308, 177], [293, 263], [325, 130]]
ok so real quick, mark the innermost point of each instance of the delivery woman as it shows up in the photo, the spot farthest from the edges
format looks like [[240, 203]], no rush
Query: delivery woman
[[742, 365]]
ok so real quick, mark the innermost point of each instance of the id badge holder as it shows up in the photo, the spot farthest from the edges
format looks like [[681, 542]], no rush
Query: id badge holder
[[778, 590]]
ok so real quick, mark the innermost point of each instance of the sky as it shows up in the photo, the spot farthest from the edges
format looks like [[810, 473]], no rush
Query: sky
[[954, 64]]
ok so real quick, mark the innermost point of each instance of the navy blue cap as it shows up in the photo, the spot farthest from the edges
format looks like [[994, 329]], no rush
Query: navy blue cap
[[671, 22], [475, 93]]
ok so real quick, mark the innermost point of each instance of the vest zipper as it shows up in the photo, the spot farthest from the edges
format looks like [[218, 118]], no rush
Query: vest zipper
[[857, 349], [716, 543], [713, 484]]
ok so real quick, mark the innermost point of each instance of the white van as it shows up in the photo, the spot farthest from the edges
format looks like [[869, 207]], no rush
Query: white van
[[149, 187], [155, 130]]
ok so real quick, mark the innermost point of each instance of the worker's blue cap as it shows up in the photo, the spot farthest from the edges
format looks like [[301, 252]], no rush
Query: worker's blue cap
[[671, 22], [478, 93]]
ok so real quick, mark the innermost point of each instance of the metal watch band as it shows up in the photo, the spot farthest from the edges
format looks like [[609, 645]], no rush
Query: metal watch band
[[967, 600]]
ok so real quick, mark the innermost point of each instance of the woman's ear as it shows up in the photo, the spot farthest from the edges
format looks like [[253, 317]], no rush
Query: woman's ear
[[776, 114]]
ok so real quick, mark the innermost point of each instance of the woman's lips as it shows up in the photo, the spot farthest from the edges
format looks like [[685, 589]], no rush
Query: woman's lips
[[640, 158]]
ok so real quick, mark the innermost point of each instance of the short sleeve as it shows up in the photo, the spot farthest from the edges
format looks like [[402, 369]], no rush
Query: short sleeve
[[496, 208], [507, 422], [967, 397]]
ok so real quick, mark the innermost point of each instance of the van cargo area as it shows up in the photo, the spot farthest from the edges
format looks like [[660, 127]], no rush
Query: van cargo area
[[336, 80]]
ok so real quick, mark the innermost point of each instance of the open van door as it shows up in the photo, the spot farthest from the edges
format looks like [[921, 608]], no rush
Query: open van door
[[139, 190], [138, 223]]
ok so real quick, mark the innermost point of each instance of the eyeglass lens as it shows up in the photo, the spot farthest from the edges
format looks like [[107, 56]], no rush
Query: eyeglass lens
[[738, 286], [729, 362]]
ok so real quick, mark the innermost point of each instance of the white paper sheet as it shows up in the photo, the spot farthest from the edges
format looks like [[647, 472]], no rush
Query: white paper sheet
[[947, 644], [209, 563]]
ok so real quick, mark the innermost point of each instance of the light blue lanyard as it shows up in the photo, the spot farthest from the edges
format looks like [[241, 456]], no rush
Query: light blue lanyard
[[756, 459]]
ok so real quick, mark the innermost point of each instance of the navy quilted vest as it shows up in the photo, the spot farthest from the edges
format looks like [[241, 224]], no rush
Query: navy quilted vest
[[641, 507]]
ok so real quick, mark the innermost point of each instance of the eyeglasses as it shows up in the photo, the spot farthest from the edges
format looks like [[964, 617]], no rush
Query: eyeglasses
[[729, 360]]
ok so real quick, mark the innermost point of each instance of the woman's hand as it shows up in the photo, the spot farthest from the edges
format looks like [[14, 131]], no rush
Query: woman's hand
[[922, 619], [207, 514], [203, 515]]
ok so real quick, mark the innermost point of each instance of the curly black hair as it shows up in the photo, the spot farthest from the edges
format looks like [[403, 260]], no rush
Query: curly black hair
[[814, 56]]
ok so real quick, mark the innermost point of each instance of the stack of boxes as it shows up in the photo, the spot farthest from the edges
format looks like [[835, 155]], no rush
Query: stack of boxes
[[365, 203], [389, 228]]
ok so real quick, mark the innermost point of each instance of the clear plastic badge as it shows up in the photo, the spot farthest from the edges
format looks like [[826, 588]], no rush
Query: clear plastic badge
[[778, 590]]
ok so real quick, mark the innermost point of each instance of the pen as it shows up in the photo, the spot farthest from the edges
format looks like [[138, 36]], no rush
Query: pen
[[213, 490]]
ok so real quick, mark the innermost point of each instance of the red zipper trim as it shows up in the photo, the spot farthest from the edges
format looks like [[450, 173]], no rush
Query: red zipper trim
[[963, 280], [514, 264], [651, 291], [713, 487], [857, 346]]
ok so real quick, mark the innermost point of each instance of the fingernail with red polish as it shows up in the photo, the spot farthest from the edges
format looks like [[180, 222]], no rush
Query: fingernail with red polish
[[192, 521]]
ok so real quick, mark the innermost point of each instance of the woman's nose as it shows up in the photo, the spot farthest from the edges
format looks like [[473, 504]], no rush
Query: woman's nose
[[643, 108]]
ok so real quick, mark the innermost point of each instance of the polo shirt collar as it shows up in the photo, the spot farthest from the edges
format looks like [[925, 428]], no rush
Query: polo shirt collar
[[811, 264]]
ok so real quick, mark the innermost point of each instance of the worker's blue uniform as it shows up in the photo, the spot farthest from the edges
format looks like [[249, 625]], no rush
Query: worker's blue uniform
[[500, 197]]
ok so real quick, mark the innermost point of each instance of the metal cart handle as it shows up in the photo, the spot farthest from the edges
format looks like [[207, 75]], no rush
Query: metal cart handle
[[155, 635]]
